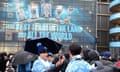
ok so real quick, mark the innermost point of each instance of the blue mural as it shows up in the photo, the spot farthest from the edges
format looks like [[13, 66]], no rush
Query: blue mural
[[65, 21]]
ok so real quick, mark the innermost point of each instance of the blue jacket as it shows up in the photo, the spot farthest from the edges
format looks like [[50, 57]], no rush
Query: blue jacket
[[40, 66], [78, 65], [24, 67]]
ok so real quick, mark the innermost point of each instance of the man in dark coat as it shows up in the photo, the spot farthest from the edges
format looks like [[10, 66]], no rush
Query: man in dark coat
[[100, 67], [3, 60], [106, 59]]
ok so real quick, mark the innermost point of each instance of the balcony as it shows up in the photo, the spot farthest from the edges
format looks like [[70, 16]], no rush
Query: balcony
[[115, 6], [114, 44], [115, 18], [114, 30]]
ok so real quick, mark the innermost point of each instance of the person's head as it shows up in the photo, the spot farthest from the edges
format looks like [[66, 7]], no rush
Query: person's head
[[42, 51], [50, 57], [44, 55], [4, 56], [85, 52], [93, 55], [107, 54], [74, 49]]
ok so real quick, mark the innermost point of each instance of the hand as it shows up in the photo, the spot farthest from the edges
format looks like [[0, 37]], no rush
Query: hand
[[60, 62]]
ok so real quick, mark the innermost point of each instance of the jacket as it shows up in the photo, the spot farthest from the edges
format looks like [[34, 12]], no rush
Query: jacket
[[77, 64], [41, 65]]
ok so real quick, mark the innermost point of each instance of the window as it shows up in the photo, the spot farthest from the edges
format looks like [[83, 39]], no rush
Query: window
[[99, 8], [103, 38], [104, 9], [104, 22]]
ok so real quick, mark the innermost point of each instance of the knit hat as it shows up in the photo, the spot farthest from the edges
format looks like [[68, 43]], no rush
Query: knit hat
[[107, 54], [41, 48]]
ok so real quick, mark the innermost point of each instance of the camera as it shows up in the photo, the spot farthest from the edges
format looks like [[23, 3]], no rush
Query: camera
[[60, 56]]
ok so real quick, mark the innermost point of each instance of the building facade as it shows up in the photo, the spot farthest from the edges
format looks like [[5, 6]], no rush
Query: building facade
[[114, 30], [103, 14]]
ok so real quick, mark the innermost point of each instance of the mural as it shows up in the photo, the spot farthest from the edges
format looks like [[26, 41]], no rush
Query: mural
[[62, 20]]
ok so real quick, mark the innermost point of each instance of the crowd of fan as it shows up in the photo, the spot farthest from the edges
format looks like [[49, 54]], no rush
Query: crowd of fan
[[103, 62]]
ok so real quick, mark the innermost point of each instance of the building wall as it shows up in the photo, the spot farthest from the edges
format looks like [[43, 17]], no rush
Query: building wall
[[103, 25], [114, 30]]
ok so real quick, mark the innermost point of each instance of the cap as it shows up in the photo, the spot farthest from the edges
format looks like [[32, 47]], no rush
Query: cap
[[107, 54], [50, 54], [52, 46], [41, 48]]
